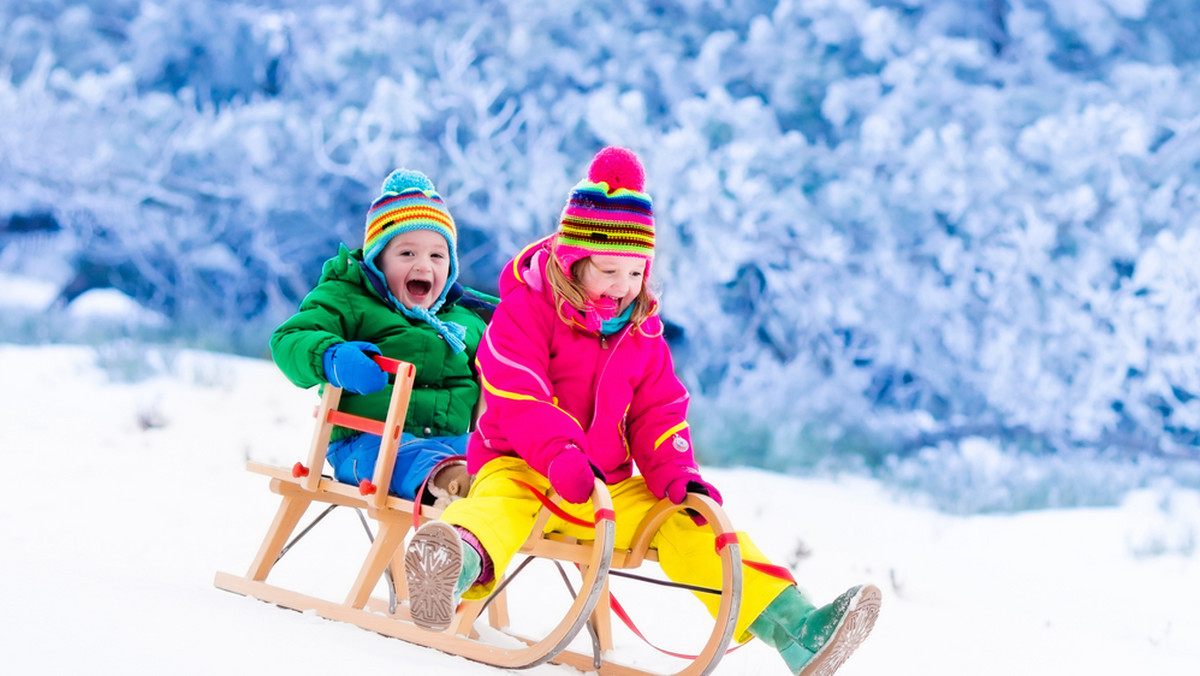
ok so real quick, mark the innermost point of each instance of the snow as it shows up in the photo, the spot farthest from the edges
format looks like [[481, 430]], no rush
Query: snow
[[21, 293], [126, 497], [112, 305]]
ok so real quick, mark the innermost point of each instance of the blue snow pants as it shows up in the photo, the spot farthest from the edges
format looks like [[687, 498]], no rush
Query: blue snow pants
[[353, 459]]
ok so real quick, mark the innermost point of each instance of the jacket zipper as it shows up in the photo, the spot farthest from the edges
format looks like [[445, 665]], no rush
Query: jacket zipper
[[603, 370]]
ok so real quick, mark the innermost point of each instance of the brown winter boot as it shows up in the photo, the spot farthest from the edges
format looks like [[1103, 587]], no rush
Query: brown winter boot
[[438, 567], [449, 483]]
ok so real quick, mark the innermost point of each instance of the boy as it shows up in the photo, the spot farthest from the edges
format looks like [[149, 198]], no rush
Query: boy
[[397, 296]]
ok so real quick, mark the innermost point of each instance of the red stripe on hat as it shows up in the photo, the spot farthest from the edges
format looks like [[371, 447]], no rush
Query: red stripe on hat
[[403, 214]]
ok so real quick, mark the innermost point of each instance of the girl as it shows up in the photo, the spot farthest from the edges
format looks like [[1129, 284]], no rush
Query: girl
[[579, 383]]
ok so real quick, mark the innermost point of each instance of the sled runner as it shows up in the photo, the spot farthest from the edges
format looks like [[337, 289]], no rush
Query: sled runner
[[493, 641]]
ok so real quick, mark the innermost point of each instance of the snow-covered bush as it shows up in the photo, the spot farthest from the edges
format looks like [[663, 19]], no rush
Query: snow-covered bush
[[884, 225], [976, 476]]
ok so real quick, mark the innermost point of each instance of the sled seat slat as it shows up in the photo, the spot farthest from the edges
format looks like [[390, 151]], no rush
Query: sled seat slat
[[558, 546], [330, 490]]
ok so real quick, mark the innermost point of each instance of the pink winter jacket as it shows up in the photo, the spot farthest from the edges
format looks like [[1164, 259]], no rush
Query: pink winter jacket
[[548, 383]]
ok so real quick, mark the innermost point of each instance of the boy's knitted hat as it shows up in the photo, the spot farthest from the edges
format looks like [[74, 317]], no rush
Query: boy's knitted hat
[[607, 213], [409, 202]]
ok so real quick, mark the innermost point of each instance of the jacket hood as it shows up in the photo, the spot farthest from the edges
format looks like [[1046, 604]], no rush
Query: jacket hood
[[528, 268], [348, 266]]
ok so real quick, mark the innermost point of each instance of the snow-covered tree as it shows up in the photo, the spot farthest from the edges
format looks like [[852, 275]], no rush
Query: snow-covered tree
[[884, 225]]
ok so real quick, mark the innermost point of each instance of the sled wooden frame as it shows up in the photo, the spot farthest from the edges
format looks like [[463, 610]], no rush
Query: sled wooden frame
[[303, 485]]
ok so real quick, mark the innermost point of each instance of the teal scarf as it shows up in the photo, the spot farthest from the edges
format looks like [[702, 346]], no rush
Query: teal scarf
[[611, 326]]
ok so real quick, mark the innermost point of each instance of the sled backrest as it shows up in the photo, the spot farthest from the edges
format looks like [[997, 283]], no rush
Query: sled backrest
[[390, 430]]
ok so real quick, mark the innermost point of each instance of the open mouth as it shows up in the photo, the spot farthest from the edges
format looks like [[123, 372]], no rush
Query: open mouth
[[607, 305], [418, 287]]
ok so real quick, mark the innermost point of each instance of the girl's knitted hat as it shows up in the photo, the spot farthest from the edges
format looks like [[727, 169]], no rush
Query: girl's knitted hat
[[607, 213], [409, 202]]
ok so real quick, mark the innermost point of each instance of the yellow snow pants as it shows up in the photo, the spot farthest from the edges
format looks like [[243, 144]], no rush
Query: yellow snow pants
[[500, 513]]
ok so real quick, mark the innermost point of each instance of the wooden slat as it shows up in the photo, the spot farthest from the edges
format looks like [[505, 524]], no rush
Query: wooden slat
[[320, 441], [355, 422], [393, 428], [335, 492]]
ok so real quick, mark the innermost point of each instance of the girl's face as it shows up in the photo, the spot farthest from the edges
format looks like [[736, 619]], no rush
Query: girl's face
[[415, 265], [615, 278]]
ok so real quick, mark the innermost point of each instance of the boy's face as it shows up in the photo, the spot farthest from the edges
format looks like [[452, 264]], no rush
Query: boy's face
[[415, 265], [613, 280]]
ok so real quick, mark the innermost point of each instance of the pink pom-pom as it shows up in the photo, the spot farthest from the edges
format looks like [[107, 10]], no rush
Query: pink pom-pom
[[619, 168]]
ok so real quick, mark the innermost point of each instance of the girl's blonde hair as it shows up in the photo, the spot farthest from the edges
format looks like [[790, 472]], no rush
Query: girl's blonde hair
[[568, 291]]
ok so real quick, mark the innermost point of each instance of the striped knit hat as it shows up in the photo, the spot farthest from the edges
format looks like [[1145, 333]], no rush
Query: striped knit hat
[[409, 202], [607, 213]]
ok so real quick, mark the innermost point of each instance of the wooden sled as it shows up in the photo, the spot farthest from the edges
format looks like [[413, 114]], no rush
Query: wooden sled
[[303, 484]]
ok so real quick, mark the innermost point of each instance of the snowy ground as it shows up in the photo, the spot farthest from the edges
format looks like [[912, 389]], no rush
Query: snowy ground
[[123, 500]]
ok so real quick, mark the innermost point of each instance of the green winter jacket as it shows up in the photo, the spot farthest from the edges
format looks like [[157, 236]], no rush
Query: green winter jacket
[[348, 304]]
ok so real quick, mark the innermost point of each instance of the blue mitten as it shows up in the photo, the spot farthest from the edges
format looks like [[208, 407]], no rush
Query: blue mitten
[[349, 365], [572, 475]]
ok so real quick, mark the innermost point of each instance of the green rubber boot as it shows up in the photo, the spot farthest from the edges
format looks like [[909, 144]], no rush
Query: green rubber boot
[[472, 564], [816, 641]]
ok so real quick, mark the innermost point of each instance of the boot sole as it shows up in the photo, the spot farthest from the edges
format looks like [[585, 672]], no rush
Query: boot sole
[[850, 633], [432, 564]]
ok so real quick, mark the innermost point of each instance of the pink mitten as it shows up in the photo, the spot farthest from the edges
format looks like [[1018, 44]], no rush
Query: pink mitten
[[680, 486], [572, 475]]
